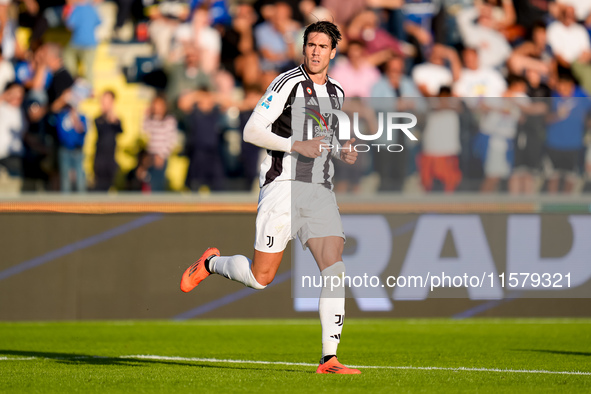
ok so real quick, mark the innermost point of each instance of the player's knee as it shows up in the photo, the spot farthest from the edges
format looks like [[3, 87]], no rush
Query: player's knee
[[336, 269], [264, 279]]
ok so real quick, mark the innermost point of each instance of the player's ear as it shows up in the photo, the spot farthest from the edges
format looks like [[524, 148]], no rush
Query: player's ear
[[333, 53]]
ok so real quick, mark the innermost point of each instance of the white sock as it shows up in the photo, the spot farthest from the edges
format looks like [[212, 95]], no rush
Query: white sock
[[236, 268], [332, 307]]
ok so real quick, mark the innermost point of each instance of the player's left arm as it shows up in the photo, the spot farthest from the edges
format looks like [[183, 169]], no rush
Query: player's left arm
[[345, 153], [348, 154]]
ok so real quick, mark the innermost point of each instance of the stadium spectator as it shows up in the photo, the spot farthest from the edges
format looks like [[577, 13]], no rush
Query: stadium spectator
[[431, 76], [6, 72], [357, 74], [344, 11], [218, 10], [570, 107], [108, 126], [477, 81], [206, 40], [203, 141], [379, 44], [138, 179], [531, 12], [161, 130], [394, 90], [185, 77], [59, 93], [529, 142], [38, 161], [60, 88], [71, 132], [127, 9], [581, 70], [33, 73], [275, 40], [4, 17], [582, 8], [238, 54], [438, 161], [165, 17], [348, 178], [82, 20], [534, 54], [476, 29], [498, 128], [568, 39], [503, 17], [8, 28], [44, 14], [12, 128], [424, 23]]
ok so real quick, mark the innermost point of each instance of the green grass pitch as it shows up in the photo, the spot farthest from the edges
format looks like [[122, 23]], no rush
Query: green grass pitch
[[425, 355]]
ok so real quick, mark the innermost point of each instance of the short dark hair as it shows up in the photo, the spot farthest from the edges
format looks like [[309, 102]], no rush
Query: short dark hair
[[328, 28], [111, 93], [445, 91], [567, 76], [514, 78]]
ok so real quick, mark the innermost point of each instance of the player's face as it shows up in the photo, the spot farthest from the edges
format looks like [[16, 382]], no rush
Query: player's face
[[318, 52]]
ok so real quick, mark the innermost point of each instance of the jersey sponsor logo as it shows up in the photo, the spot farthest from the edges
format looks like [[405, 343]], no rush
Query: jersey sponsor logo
[[270, 241], [320, 120], [266, 103], [312, 101]]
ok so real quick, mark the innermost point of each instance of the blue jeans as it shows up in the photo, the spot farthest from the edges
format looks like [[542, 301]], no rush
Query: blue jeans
[[71, 160], [158, 178]]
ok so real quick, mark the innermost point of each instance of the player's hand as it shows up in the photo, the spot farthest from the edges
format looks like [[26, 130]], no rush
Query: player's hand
[[310, 148], [348, 154]]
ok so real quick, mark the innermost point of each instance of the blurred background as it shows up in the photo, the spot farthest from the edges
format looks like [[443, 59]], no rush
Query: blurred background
[[150, 96]]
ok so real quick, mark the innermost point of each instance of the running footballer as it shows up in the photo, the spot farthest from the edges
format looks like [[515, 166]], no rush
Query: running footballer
[[296, 196]]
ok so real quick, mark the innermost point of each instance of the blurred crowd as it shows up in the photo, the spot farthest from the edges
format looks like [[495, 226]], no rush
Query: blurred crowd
[[499, 87]]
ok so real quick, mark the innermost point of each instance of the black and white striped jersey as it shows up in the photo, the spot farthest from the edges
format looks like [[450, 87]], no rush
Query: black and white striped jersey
[[294, 104]]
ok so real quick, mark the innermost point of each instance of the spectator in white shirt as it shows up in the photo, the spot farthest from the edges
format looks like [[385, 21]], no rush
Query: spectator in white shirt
[[568, 39], [582, 8], [11, 128], [441, 144], [198, 34], [477, 31], [478, 81], [431, 76], [6, 72]]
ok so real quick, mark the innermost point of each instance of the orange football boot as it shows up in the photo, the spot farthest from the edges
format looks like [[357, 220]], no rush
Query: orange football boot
[[197, 272], [334, 366]]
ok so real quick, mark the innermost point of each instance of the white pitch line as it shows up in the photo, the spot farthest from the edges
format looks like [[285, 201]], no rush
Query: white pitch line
[[217, 360], [260, 362]]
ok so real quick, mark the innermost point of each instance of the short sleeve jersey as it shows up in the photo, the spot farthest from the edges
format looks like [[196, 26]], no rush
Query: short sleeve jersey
[[299, 108]]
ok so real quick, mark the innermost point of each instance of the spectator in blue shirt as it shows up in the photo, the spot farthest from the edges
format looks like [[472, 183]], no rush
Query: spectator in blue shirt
[[564, 138], [82, 19]]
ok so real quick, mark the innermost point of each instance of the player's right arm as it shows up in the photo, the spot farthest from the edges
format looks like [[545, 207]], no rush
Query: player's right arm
[[258, 130]]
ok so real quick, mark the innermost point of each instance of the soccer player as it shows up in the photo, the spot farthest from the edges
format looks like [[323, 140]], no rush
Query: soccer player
[[296, 186]]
